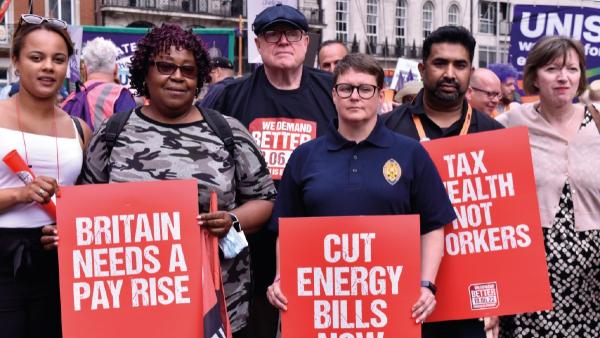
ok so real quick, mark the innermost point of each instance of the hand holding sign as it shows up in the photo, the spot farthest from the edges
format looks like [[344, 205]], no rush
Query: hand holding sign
[[491, 326], [424, 306], [37, 189], [216, 222], [275, 296], [49, 237]]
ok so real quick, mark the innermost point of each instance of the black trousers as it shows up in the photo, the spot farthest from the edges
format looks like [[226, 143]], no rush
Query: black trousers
[[29, 289], [468, 328]]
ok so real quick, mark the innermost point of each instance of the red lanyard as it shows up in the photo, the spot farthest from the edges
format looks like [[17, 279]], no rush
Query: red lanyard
[[421, 131]]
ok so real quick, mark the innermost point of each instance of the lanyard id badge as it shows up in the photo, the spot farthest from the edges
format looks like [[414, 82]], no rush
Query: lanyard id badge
[[421, 131]]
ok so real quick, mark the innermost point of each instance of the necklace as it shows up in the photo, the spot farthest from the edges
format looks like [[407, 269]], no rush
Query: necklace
[[566, 129], [54, 131], [538, 109]]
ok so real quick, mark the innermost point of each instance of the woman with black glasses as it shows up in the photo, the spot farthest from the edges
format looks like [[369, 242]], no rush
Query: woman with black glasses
[[51, 144], [362, 168], [171, 139]]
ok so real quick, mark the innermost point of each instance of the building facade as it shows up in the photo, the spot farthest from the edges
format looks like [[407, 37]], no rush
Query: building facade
[[74, 12], [387, 29], [390, 29]]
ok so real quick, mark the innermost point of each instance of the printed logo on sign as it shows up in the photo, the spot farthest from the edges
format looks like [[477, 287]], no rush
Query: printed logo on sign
[[278, 137], [25, 176], [484, 296]]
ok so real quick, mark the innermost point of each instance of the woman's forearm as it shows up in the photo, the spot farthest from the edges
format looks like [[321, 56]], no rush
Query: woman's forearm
[[253, 214], [432, 250]]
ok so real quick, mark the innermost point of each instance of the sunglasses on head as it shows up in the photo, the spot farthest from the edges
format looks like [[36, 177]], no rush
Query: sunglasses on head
[[33, 19], [169, 68]]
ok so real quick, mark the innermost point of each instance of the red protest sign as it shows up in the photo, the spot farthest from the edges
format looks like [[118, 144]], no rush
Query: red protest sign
[[347, 277], [278, 137], [494, 261], [129, 257]]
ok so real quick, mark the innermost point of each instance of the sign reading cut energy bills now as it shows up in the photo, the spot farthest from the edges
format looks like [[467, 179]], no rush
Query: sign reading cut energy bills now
[[494, 260], [532, 22], [130, 260], [350, 277]]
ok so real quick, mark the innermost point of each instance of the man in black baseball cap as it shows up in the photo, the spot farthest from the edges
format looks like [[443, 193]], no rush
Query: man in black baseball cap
[[282, 42], [220, 62], [220, 76], [279, 14], [280, 97]]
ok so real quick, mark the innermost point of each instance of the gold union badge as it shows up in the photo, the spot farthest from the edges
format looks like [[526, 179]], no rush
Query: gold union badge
[[392, 171]]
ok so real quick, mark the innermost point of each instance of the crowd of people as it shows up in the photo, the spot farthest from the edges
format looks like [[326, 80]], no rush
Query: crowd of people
[[350, 131]]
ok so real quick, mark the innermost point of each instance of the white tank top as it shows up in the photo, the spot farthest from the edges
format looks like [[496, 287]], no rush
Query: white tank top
[[41, 151]]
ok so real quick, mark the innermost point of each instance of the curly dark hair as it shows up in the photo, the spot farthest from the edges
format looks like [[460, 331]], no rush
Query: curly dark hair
[[159, 40]]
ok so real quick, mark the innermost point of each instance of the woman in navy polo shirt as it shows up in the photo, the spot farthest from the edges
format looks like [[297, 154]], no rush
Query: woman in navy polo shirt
[[359, 156]]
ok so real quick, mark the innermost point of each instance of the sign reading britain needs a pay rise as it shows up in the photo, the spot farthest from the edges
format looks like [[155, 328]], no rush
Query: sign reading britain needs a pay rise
[[278, 137], [350, 277], [130, 260], [494, 260], [532, 22]]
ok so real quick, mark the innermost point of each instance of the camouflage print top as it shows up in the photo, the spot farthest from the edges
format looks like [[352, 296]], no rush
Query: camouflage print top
[[149, 150]]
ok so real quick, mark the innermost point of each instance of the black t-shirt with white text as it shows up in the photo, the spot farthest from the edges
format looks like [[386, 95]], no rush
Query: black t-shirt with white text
[[279, 120]]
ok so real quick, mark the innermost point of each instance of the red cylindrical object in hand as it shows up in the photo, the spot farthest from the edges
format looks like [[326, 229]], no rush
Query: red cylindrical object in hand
[[16, 163], [214, 202], [216, 264]]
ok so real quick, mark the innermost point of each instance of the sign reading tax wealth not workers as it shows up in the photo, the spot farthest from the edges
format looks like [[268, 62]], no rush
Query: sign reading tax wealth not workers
[[494, 261], [350, 277], [129, 257]]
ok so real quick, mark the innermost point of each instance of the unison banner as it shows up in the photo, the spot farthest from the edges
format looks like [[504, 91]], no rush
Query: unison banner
[[130, 260], [347, 277], [532, 22], [494, 260]]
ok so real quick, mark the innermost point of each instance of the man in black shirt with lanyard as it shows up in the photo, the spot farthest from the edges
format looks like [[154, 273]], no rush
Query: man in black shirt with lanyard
[[441, 110]]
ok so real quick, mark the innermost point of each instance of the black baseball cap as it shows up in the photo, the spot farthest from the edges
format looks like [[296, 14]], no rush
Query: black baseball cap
[[279, 14], [221, 62]]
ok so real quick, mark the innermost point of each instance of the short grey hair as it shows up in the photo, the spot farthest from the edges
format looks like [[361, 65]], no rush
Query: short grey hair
[[100, 55]]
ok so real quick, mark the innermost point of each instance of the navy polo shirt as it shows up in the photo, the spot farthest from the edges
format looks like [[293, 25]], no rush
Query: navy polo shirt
[[331, 176]]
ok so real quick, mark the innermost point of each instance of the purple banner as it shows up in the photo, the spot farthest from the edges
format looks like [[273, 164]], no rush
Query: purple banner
[[218, 42], [530, 23]]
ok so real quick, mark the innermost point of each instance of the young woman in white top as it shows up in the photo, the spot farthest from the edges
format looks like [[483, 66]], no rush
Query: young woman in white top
[[49, 142]]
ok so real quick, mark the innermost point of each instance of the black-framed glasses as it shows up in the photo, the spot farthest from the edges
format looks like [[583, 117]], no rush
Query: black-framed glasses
[[169, 68], [33, 19], [345, 90], [490, 95], [292, 35]]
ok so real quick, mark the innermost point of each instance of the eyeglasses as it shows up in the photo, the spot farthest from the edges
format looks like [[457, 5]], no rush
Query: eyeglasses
[[292, 35], [490, 95], [168, 68], [33, 19], [345, 90]]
